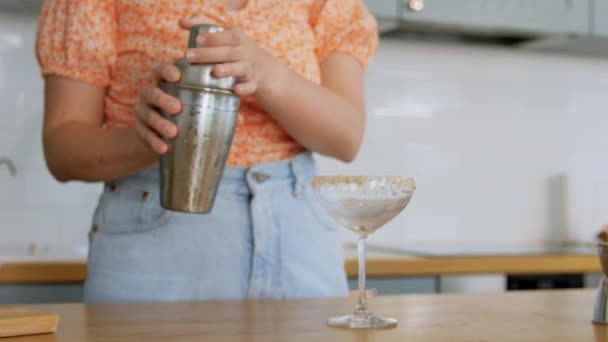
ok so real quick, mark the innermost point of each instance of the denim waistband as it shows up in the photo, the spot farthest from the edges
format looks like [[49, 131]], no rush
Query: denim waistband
[[297, 171]]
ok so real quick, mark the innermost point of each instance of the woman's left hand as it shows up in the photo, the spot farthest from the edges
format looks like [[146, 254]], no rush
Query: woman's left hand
[[236, 55]]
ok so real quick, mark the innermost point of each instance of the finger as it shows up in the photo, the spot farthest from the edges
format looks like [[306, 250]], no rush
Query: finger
[[234, 36], [187, 23], [241, 70], [167, 72], [157, 123], [154, 96], [153, 141], [215, 54], [246, 89]]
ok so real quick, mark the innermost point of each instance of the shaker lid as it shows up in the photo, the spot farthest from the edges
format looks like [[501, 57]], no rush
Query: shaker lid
[[202, 28], [199, 75]]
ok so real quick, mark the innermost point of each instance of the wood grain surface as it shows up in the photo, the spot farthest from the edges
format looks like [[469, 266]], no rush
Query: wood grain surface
[[18, 321], [553, 316]]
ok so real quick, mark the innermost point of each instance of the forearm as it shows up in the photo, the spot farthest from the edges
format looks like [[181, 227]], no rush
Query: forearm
[[317, 117], [80, 151]]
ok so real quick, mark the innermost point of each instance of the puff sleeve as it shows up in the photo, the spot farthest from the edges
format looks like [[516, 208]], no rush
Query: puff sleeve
[[344, 26], [77, 39]]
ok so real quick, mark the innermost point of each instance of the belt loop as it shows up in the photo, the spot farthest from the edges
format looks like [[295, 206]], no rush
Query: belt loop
[[299, 184]]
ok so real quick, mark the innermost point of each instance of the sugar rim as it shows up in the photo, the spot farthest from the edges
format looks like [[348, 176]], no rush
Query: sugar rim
[[393, 180]]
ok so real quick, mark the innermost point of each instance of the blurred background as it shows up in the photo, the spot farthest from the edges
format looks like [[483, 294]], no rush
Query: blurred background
[[498, 109]]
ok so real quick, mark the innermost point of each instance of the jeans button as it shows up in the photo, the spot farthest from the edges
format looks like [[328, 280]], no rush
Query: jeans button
[[113, 187]]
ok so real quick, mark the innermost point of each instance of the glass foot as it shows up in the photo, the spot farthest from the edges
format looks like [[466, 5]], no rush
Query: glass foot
[[362, 321]]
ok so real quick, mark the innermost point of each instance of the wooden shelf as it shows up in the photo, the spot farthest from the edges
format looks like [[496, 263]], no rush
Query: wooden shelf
[[377, 266], [445, 265], [43, 272]]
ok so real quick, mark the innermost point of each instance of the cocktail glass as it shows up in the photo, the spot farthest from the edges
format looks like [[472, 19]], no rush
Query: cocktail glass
[[363, 204]]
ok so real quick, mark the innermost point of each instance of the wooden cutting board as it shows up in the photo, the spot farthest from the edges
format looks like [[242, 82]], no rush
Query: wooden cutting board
[[16, 321]]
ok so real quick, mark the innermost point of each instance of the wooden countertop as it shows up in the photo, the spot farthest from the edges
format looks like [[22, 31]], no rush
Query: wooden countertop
[[378, 265], [553, 316]]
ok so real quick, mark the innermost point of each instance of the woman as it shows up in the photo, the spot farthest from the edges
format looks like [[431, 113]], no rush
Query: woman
[[300, 68]]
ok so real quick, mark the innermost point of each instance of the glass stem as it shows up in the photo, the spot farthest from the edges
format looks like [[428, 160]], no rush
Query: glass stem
[[361, 308]]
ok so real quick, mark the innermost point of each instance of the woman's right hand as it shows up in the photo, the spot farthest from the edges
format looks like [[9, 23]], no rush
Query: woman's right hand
[[149, 123]]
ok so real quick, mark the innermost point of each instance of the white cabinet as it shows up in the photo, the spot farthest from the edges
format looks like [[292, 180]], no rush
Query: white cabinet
[[526, 16], [386, 11], [21, 5], [600, 18], [383, 8]]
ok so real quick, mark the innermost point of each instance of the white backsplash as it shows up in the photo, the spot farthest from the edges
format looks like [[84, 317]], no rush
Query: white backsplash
[[505, 146], [34, 208]]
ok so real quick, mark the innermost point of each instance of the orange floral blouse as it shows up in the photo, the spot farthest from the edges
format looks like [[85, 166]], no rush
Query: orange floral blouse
[[116, 43]]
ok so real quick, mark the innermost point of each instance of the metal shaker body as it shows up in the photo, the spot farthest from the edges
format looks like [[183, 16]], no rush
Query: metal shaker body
[[191, 171], [600, 314]]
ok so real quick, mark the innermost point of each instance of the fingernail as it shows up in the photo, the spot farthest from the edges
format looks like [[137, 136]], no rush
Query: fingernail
[[174, 106], [200, 40], [168, 131], [190, 54], [176, 76]]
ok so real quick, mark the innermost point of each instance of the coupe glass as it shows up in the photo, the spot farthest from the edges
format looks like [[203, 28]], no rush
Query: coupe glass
[[363, 204]]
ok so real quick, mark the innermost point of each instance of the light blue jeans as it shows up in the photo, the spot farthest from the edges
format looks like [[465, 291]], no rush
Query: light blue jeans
[[265, 238]]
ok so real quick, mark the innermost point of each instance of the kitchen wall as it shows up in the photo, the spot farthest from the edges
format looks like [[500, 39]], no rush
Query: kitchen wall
[[35, 211], [506, 146]]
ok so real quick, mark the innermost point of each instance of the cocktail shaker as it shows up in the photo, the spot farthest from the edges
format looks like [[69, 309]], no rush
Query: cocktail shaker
[[600, 314], [191, 171]]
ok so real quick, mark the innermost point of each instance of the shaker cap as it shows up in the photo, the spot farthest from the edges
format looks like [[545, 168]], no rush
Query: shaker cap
[[199, 75]]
